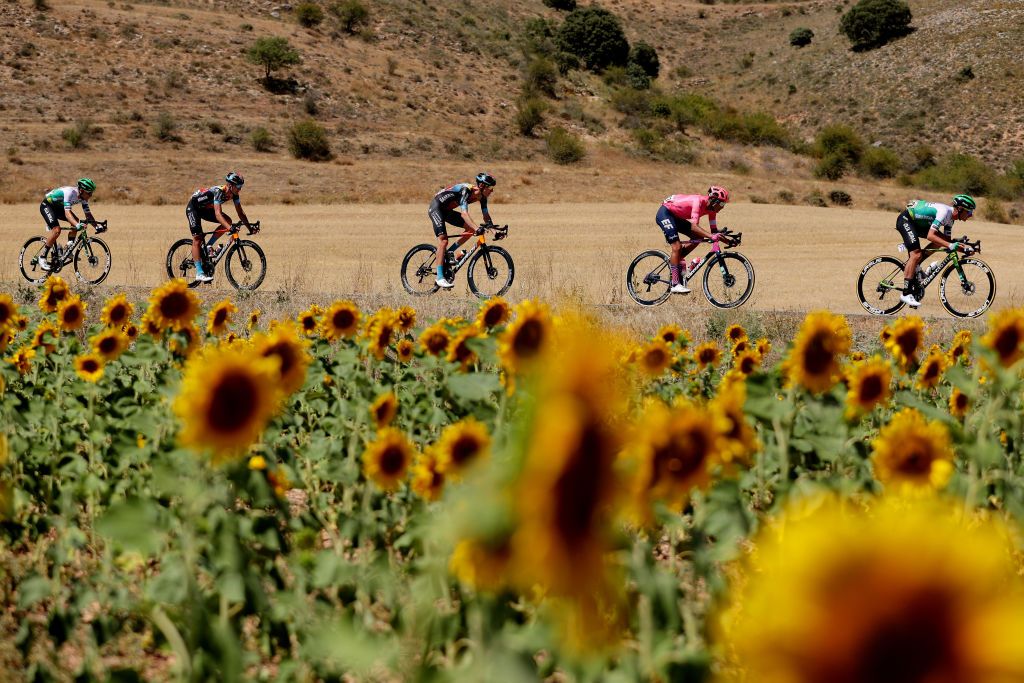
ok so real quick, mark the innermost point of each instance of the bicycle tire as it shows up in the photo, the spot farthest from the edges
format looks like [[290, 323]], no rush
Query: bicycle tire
[[728, 278], [421, 281], [883, 285], [649, 277], [239, 253], [490, 257], [969, 290], [34, 274], [180, 263], [82, 256]]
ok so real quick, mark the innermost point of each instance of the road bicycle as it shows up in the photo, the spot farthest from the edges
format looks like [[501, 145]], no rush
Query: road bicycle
[[489, 269], [728, 278], [89, 255], [245, 263], [968, 295]]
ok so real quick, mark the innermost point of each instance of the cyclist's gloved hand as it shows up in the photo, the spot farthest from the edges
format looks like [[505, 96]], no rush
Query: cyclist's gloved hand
[[968, 251]]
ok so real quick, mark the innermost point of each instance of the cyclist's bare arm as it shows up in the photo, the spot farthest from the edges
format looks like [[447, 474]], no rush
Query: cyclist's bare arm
[[241, 215], [221, 218], [470, 225], [936, 237], [698, 231]]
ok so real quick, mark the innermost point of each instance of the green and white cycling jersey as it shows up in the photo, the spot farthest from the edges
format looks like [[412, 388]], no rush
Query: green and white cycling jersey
[[66, 197], [927, 215]]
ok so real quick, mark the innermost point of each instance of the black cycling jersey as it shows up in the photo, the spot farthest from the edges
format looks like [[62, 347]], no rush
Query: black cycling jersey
[[211, 196], [459, 195]]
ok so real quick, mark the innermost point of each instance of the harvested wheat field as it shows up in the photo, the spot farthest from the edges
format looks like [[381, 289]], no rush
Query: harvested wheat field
[[805, 258]]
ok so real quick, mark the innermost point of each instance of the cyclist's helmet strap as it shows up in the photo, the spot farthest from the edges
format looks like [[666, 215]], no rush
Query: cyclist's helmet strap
[[486, 179], [965, 201], [235, 179], [86, 185], [718, 194]]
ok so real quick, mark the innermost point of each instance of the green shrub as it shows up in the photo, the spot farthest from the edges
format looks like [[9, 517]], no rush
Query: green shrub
[[77, 136], [538, 37], [564, 5], [958, 173], [631, 102], [308, 140], [921, 157], [872, 23], [261, 140], [529, 114], [272, 54], [646, 57], [760, 128], [165, 128], [839, 141], [566, 62], [636, 77], [995, 212], [309, 14], [351, 14], [594, 35], [541, 76], [831, 166], [880, 162], [800, 37], [564, 147], [840, 198]]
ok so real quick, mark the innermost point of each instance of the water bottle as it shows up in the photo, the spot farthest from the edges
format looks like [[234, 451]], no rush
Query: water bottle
[[931, 267], [216, 251], [694, 263]]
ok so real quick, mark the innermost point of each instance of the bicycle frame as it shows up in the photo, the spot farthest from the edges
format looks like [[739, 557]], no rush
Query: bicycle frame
[[926, 280], [479, 242], [81, 242], [233, 237], [716, 248]]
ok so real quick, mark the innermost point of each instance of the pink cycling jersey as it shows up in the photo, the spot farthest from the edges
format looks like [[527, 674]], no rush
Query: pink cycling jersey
[[691, 207]]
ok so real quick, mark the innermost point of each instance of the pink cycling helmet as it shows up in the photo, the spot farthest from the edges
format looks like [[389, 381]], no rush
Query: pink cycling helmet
[[720, 194]]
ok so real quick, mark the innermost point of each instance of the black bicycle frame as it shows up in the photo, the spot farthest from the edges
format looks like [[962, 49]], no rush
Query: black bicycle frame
[[716, 251]]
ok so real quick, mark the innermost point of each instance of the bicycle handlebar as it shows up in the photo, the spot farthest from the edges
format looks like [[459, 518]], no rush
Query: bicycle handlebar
[[976, 245], [254, 226], [500, 231]]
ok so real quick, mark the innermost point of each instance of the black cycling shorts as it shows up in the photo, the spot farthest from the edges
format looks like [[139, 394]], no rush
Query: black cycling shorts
[[52, 214], [672, 226], [440, 215], [196, 214], [910, 232]]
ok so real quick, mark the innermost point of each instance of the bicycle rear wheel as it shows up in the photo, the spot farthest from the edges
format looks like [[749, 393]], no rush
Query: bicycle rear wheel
[[648, 279], [92, 261], [28, 261], [418, 275], [728, 280], [490, 272], [880, 285], [971, 296], [245, 265], [180, 263]]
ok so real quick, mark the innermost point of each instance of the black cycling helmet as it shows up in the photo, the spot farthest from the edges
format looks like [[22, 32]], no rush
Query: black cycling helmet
[[235, 179], [486, 179]]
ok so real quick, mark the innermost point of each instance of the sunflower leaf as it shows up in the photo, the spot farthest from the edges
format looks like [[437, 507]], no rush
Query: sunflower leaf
[[134, 525], [473, 387]]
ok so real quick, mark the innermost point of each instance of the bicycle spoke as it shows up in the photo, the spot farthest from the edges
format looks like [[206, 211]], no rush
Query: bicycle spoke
[[648, 278], [967, 291]]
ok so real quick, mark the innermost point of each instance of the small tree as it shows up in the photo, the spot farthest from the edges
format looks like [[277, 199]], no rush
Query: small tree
[[873, 23], [564, 147], [351, 14], [529, 114], [309, 14], [594, 35], [801, 37], [646, 57], [272, 53], [308, 140]]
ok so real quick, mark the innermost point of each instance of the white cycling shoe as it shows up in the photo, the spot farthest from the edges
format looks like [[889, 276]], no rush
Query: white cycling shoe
[[680, 289], [909, 300], [203, 277], [444, 284], [44, 264]]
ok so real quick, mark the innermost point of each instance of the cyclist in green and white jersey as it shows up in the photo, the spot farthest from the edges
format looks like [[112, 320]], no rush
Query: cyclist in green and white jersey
[[933, 221], [56, 206]]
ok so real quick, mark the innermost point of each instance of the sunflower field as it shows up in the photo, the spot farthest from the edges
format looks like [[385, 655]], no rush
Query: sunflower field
[[187, 493]]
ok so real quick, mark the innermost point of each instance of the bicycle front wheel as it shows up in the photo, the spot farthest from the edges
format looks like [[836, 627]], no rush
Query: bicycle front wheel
[[490, 272], [246, 265], [418, 275], [880, 285], [728, 280], [180, 263], [648, 278], [971, 294], [28, 261], [92, 261]]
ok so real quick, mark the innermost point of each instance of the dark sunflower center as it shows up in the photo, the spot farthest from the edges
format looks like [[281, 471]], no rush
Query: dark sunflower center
[[655, 358], [383, 412], [682, 456], [931, 372], [463, 352], [5, 314], [961, 401], [72, 315], [117, 314], [528, 339], [343, 319], [285, 353], [174, 306], [1007, 342], [494, 315], [384, 336], [706, 356], [90, 365], [108, 345], [817, 355], [871, 389], [392, 460], [747, 365], [465, 449], [908, 342], [308, 323], [916, 461], [233, 402], [437, 342], [220, 317], [578, 489]]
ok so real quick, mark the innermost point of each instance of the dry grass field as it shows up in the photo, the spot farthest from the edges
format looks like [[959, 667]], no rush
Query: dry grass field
[[805, 258]]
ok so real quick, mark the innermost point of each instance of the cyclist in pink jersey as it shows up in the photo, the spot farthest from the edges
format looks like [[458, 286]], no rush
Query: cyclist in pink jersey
[[681, 213]]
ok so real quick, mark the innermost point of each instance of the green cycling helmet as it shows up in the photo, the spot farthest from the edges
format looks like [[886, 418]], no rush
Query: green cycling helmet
[[86, 185], [965, 201]]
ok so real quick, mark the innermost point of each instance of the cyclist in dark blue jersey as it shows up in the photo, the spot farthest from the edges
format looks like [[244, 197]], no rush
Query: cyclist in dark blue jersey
[[205, 205], [451, 205]]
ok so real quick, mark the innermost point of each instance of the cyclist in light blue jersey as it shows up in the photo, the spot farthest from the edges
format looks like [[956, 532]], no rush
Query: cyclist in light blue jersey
[[451, 205], [933, 221], [56, 206], [205, 205]]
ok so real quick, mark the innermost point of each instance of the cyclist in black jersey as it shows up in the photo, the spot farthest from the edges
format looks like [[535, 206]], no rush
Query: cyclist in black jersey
[[451, 205], [205, 205]]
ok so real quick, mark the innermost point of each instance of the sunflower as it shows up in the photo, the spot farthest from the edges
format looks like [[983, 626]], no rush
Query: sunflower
[[707, 354], [435, 340], [493, 312], [930, 372], [405, 318], [309, 320], [150, 326], [959, 402], [905, 338], [655, 357], [738, 439], [672, 334], [173, 305], [254, 319], [340, 320], [858, 356], [482, 563], [911, 454], [131, 331], [525, 339], [379, 331], [117, 311], [742, 346], [813, 362], [8, 311], [184, 341], [405, 350], [46, 336], [384, 409], [109, 344], [960, 349], [6, 337], [763, 347], [1006, 336], [747, 362], [870, 384], [89, 367], [902, 593], [386, 459], [461, 446], [427, 478], [285, 344], [226, 399], [54, 291], [220, 317], [22, 359], [71, 314], [460, 351], [735, 333]]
